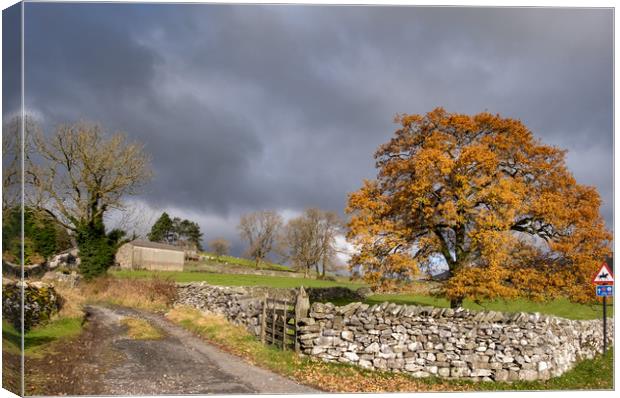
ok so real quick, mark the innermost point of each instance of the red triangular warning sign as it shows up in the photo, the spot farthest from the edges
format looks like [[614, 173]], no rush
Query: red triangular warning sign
[[603, 276]]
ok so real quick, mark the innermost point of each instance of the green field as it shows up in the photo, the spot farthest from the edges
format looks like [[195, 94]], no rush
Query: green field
[[560, 307], [233, 279]]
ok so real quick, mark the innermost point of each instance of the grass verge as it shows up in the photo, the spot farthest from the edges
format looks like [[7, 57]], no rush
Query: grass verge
[[331, 377], [139, 329], [37, 340]]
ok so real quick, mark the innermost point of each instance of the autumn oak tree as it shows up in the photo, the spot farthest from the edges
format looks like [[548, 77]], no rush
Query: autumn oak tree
[[484, 195]]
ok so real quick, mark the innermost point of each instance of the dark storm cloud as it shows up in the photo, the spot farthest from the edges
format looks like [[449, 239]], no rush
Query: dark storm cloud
[[251, 107], [11, 54]]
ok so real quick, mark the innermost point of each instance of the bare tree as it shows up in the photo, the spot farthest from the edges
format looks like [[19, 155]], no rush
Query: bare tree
[[136, 218], [15, 147], [260, 231], [220, 247], [83, 173], [311, 240], [77, 175]]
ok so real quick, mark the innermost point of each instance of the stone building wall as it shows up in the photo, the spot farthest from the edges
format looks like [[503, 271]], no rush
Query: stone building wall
[[422, 341], [132, 256]]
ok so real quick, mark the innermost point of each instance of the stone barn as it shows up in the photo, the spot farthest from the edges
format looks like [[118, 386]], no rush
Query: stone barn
[[141, 254]]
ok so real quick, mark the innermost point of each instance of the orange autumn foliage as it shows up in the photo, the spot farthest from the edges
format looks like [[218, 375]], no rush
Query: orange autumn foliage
[[484, 194]]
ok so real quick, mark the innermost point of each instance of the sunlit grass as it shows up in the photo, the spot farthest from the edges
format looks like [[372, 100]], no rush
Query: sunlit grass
[[244, 262], [560, 307], [139, 329]]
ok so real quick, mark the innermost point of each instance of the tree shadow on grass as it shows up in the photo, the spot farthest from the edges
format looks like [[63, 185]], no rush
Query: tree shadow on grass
[[13, 336]]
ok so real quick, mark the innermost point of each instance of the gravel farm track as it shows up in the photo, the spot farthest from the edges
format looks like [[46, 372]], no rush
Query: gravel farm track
[[103, 360]]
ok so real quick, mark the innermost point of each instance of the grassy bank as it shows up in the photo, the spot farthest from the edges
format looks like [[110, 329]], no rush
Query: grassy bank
[[589, 374], [151, 294], [232, 279], [244, 262]]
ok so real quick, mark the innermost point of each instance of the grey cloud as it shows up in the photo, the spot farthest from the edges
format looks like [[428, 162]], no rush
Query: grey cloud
[[251, 107], [11, 54]]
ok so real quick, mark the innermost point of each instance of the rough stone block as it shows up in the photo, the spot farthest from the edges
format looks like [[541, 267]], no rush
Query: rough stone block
[[528, 375], [413, 346], [347, 335], [412, 367], [395, 363], [373, 348], [443, 372], [380, 363], [459, 372], [351, 356], [480, 373]]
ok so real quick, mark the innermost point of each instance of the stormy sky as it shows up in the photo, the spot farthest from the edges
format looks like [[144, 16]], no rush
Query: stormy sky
[[249, 107]]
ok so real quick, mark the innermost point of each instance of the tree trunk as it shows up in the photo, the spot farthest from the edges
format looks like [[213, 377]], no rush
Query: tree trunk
[[456, 302]]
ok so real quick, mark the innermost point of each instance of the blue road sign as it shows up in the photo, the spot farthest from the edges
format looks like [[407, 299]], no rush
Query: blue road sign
[[604, 290]]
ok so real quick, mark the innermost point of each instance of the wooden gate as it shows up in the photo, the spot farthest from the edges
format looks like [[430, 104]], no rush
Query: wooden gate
[[279, 321]]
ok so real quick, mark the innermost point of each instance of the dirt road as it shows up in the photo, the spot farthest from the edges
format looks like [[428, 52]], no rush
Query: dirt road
[[111, 363]]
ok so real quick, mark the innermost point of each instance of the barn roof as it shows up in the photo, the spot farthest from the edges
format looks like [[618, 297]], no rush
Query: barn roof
[[155, 245]]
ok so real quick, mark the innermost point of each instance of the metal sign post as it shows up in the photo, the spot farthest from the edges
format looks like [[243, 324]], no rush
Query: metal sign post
[[604, 324], [604, 281]]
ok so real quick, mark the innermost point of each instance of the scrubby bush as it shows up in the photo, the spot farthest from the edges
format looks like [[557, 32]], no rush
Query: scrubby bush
[[97, 249], [96, 256], [41, 301], [42, 235]]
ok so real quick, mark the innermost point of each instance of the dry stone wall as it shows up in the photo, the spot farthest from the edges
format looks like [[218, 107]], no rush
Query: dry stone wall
[[454, 343], [422, 341], [237, 304]]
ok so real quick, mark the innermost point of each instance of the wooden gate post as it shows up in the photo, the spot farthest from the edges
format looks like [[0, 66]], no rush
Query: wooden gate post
[[284, 323], [273, 324], [263, 321], [302, 306]]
